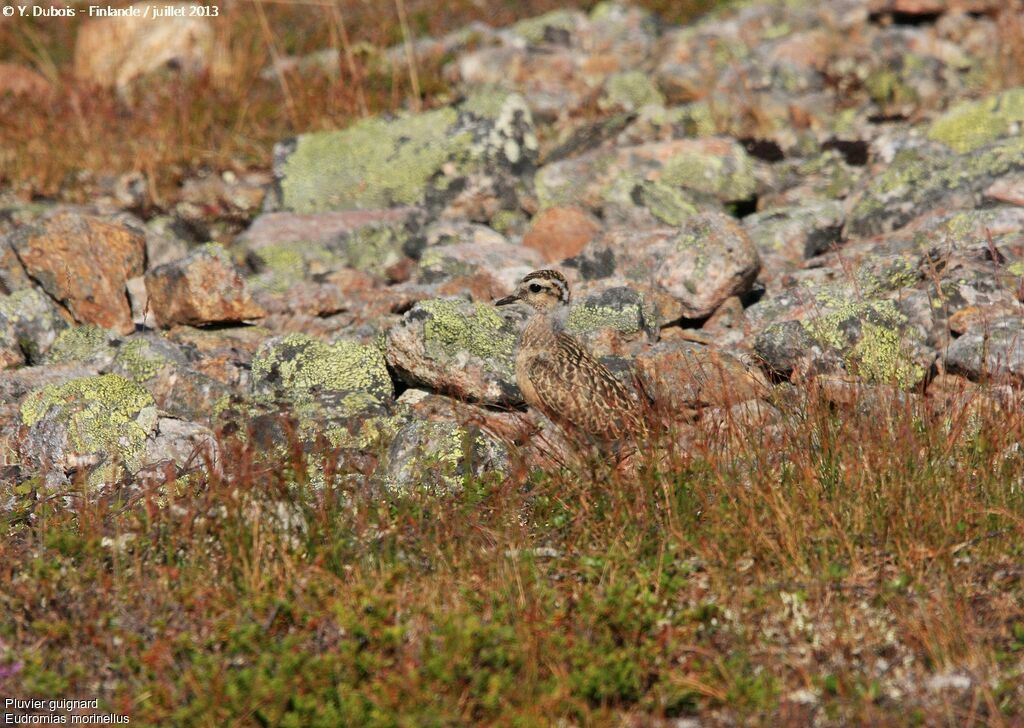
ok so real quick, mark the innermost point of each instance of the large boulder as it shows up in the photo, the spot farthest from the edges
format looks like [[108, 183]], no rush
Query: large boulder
[[701, 263], [411, 160], [115, 51]]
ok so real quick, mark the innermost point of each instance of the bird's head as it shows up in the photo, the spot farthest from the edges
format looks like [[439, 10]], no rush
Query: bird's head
[[544, 290]]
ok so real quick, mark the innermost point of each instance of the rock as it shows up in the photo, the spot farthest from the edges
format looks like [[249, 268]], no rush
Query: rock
[[18, 80], [504, 262], [443, 457], [631, 91], [96, 424], [683, 378], [83, 262], [787, 236], [990, 354], [611, 320], [183, 445], [29, 325], [973, 124], [297, 366], [465, 350], [917, 181], [703, 262], [202, 288], [870, 339], [712, 168], [421, 158], [297, 230], [340, 392], [165, 370], [91, 345], [558, 233], [116, 51]]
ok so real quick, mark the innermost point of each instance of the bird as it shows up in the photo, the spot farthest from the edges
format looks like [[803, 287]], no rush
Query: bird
[[557, 374]]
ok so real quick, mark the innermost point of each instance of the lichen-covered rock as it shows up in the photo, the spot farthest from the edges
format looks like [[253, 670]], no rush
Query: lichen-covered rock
[[973, 124], [184, 446], [443, 457], [682, 378], [87, 344], [297, 366], [710, 168], [83, 262], [166, 370], [608, 319], [503, 261], [990, 353], [407, 161], [99, 424], [869, 339], [916, 182], [703, 262], [29, 324], [466, 350], [787, 236], [630, 90], [204, 287]]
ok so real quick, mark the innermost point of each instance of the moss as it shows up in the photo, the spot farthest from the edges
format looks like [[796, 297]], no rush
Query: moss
[[79, 343], [108, 415], [482, 332], [971, 125], [298, 365], [631, 90]]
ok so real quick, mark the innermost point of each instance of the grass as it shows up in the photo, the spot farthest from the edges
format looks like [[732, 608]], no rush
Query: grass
[[849, 558]]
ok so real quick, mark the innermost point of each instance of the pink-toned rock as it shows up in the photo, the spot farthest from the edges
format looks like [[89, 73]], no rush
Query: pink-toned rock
[[202, 288], [84, 262], [21, 81], [278, 228], [1009, 189], [116, 51], [561, 232]]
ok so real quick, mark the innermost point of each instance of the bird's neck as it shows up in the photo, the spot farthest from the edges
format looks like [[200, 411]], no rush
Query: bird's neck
[[543, 324]]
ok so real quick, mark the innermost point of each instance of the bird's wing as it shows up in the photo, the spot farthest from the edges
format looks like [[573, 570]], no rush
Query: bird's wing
[[576, 388]]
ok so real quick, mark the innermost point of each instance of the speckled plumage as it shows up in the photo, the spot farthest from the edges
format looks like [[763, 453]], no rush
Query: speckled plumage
[[558, 376]]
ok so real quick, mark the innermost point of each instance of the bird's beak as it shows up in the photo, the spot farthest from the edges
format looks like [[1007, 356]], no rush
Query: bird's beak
[[506, 300]]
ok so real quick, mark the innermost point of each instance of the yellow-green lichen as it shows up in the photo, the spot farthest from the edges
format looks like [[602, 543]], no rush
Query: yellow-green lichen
[[728, 177], [876, 353], [107, 415], [480, 331], [668, 204], [298, 365], [1016, 269], [631, 90], [585, 317], [138, 361], [375, 163], [973, 124], [533, 30], [79, 343], [375, 247]]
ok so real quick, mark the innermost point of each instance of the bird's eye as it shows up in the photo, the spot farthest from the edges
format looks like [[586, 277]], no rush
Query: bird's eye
[[535, 288]]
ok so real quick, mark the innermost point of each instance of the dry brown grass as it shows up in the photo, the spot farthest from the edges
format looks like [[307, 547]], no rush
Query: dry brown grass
[[848, 559]]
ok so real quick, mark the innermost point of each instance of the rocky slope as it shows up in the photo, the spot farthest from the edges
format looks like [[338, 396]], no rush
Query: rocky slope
[[777, 195]]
